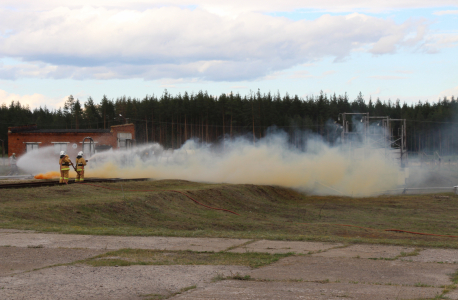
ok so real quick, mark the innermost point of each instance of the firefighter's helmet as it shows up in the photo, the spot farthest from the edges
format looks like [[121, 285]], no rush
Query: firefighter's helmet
[[80, 153], [62, 153]]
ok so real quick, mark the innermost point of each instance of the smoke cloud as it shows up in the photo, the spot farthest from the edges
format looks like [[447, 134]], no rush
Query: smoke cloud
[[314, 168]]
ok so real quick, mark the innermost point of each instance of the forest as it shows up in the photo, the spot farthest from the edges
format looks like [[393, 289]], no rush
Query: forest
[[172, 119]]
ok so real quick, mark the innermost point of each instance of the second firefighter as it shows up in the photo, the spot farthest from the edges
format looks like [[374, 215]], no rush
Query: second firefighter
[[80, 163]]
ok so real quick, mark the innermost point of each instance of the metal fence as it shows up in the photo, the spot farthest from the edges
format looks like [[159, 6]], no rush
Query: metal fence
[[424, 190], [404, 190]]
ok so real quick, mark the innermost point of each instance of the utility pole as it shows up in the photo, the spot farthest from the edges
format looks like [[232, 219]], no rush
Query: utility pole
[[146, 128], [3, 151], [125, 119], [185, 130], [252, 114], [231, 124], [152, 127]]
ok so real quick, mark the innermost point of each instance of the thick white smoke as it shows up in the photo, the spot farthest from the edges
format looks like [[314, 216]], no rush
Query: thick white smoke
[[39, 161], [319, 168]]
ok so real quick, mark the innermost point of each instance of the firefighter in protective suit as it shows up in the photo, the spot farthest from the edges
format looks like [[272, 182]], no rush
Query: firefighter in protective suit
[[80, 163], [64, 163], [13, 164]]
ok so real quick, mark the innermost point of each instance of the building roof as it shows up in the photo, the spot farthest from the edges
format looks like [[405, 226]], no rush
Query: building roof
[[67, 131], [127, 124], [33, 128], [22, 128]]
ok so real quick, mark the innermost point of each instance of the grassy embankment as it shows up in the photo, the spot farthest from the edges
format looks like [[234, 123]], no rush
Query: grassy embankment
[[266, 212]]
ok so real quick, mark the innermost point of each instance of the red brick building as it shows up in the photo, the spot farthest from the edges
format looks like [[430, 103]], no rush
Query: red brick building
[[23, 139]]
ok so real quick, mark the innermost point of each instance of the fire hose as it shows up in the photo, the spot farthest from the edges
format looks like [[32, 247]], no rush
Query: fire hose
[[411, 232], [226, 210], [75, 170]]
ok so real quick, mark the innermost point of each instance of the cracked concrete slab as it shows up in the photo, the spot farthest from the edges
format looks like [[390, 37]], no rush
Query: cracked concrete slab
[[453, 295], [285, 247], [306, 290], [356, 270], [85, 282], [117, 242], [16, 260], [329, 273], [435, 255], [366, 251]]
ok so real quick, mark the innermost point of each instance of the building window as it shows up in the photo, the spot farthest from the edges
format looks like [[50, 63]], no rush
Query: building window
[[89, 148], [102, 148], [31, 147], [60, 147], [124, 139]]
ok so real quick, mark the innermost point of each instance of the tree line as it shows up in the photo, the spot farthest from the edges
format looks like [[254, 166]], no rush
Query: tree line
[[172, 119]]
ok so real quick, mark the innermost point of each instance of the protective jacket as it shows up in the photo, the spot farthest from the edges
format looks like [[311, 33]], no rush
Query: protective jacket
[[65, 163], [80, 163]]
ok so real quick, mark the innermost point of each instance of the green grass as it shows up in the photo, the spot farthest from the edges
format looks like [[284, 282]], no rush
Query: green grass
[[266, 212], [240, 277], [420, 284], [415, 252], [237, 276], [128, 257], [454, 277]]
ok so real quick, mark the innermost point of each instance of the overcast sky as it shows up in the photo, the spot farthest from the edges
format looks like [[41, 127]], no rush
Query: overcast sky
[[406, 49]]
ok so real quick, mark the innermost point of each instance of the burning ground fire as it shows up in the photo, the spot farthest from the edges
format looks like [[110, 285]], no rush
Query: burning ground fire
[[48, 175]]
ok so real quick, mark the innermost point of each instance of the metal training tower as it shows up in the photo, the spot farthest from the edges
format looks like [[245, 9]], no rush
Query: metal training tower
[[363, 134]]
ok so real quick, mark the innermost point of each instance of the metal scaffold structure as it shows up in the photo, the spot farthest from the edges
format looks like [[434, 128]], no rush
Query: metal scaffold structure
[[363, 134]]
